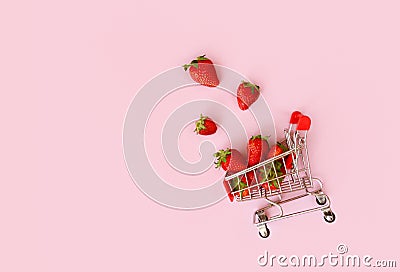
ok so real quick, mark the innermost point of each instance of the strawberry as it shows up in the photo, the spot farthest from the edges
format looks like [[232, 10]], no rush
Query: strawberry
[[289, 161], [241, 187], [245, 193], [247, 94], [230, 160], [228, 190], [202, 71], [271, 185], [269, 182], [259, 173], [276, 150], [250, 178], [205, 126], [257, 149], [288, 164]]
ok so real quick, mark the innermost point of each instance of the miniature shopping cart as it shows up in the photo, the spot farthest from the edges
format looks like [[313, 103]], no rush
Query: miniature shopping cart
[[287, 180]]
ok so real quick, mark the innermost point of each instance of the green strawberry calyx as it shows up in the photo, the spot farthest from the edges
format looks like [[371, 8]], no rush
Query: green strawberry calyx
[[272, 178], [265, 138], [253, 87], [221, 157], [239, 185], [194, 63], [242, 185], [282, 146], [202, 57], [275, 183], [200, 124]]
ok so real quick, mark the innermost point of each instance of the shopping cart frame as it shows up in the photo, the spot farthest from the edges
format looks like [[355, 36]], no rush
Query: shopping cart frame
[[297, 179]]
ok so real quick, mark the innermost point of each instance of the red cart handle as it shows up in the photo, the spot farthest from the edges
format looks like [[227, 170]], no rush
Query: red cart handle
[[294, 118], [304, 123]]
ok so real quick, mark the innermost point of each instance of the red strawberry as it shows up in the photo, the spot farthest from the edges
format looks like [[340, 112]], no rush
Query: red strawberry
[[288, 163], [276, 150], [241, 188], [203, 71], [261, 178], [205, 126], [228, 190], [271, 186], [245, 193], [257, 149], [269, 183], [247, 94], [230, 160], [250, 178]]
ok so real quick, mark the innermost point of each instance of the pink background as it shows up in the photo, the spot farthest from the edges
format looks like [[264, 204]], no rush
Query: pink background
[[69, 70]]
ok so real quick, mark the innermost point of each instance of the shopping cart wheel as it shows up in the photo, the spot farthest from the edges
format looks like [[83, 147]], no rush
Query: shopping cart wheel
[[321, 199], [329, 216], [263, 231]]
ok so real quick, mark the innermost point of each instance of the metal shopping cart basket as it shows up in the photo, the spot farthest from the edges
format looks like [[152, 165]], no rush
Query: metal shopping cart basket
[[288, 178]]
